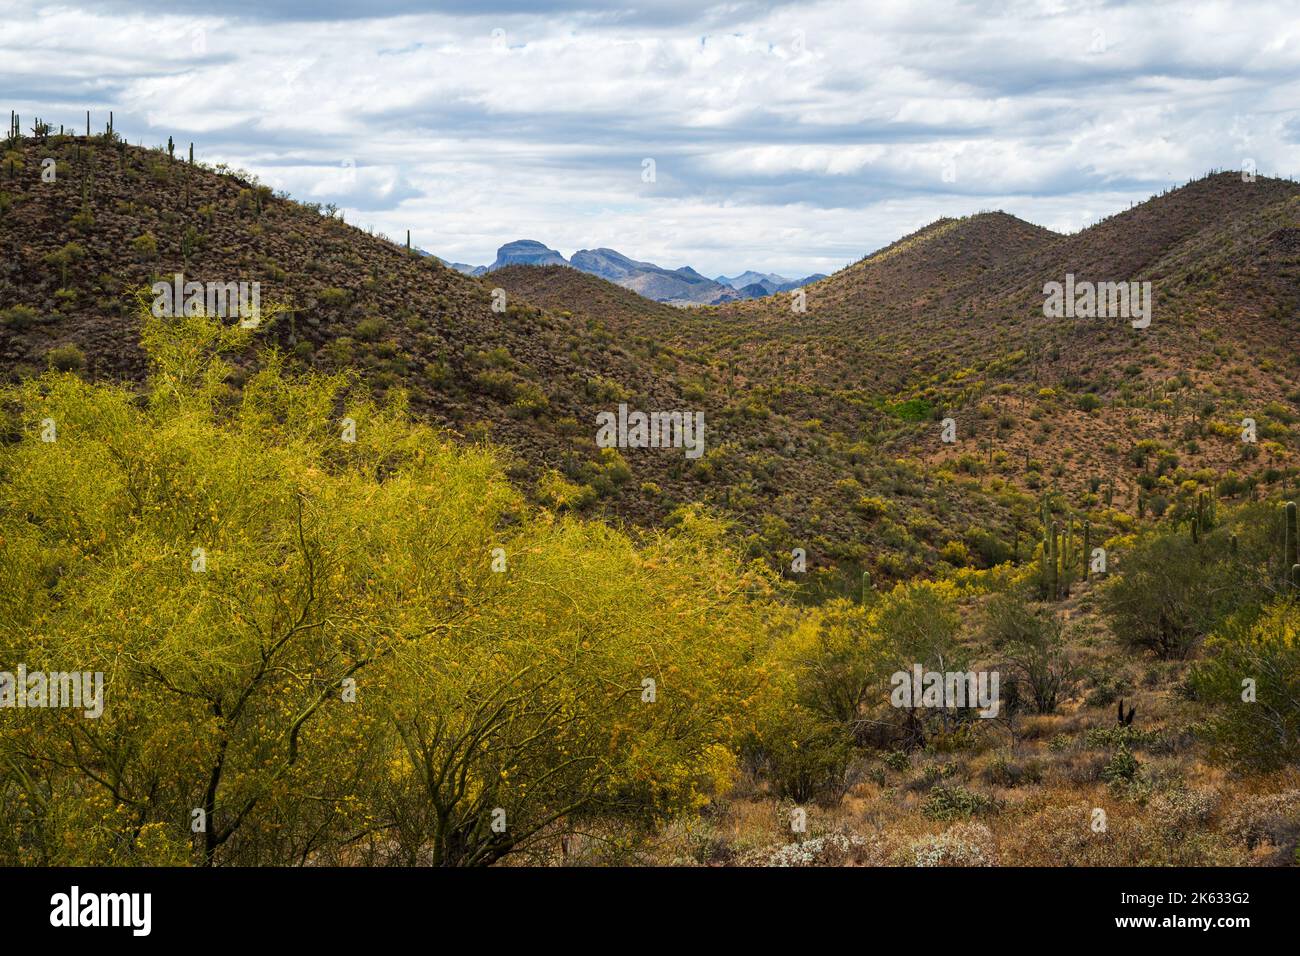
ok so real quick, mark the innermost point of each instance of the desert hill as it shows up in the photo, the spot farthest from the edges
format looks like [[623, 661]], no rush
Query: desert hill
[[823, 426]]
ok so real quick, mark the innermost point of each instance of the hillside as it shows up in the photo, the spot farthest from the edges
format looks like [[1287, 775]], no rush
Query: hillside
[[948, 321], [823, 426], [120, 217], [469, 562]]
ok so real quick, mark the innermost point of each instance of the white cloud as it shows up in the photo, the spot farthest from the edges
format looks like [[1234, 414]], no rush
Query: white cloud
[[788, 137]]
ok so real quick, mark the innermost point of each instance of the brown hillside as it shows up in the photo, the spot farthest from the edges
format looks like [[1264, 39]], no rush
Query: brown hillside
[[822, 427]]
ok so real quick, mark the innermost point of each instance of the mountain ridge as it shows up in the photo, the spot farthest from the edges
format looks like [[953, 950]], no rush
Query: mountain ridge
[[822, 425], [681, 286]]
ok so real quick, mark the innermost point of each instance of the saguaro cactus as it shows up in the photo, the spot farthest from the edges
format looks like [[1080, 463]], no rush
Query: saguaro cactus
[[1087, 549], [1048, 569], [1290, 544]]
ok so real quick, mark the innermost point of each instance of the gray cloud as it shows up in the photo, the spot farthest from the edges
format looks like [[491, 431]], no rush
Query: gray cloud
[[786, 137]]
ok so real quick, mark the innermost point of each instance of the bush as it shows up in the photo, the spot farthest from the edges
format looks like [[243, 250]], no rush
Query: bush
[[20, 317], [1172, 592], [966, 844], [951, 803], [831, 849], [307, 640], [66, 358], [145, 246], [826, 673], [1267, 819], [369, 329], [1032, 644], [1123, 768], [1263, 734]]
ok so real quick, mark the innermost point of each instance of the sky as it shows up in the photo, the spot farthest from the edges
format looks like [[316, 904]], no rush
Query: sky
[[781, 137]]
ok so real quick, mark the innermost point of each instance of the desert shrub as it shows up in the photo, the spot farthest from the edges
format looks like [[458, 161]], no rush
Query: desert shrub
[[1261, 819], [1122, 768], [1171, 592], [1004, 772], [369, 329], [827, 671], [1180, 809], [804, 757], [951, 803], [988, 548], [66, 358], [1131, 737], [1263, 733], [499, 384], [145, 246], [19, 317], [333, 297], [966, 844], [919, 623], [830, 849], [555, 491], [897, 761], [1031, 642], [839, 663], [871, 506], [306, 640]]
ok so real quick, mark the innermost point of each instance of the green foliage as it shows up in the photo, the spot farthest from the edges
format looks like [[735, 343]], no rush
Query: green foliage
[[20, 317], [66, 358], [912, 410], [231, 566], [1173, 591], [1031, 642], [1260, 656], [1122, 769], [145, 246], [956, 802], [369, 329]]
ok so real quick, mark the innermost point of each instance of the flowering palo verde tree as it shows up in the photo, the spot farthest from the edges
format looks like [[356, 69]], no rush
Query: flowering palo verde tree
[[327, 634]]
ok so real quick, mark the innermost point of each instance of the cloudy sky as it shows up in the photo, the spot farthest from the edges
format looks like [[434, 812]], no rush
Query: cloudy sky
[[789, 137]]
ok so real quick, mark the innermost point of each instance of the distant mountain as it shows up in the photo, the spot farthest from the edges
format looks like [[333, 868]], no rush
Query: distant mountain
[[526, 252], [756, 285], [682, 286], [806, 280], [751, 277], [609, 264], [462, 267]]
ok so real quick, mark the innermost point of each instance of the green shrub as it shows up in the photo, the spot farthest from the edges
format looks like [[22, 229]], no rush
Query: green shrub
[[951, 803], [66, 358], [19, 317], [369, 329], [1263, 733]]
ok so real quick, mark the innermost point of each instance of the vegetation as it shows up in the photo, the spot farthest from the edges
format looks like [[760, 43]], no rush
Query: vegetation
[[333, 633]]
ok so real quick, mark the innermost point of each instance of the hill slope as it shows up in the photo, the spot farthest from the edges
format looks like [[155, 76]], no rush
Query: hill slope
[[822, 426]]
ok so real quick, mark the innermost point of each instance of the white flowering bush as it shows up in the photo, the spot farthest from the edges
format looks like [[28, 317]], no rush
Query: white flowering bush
[[830, 849], [966, 844]]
